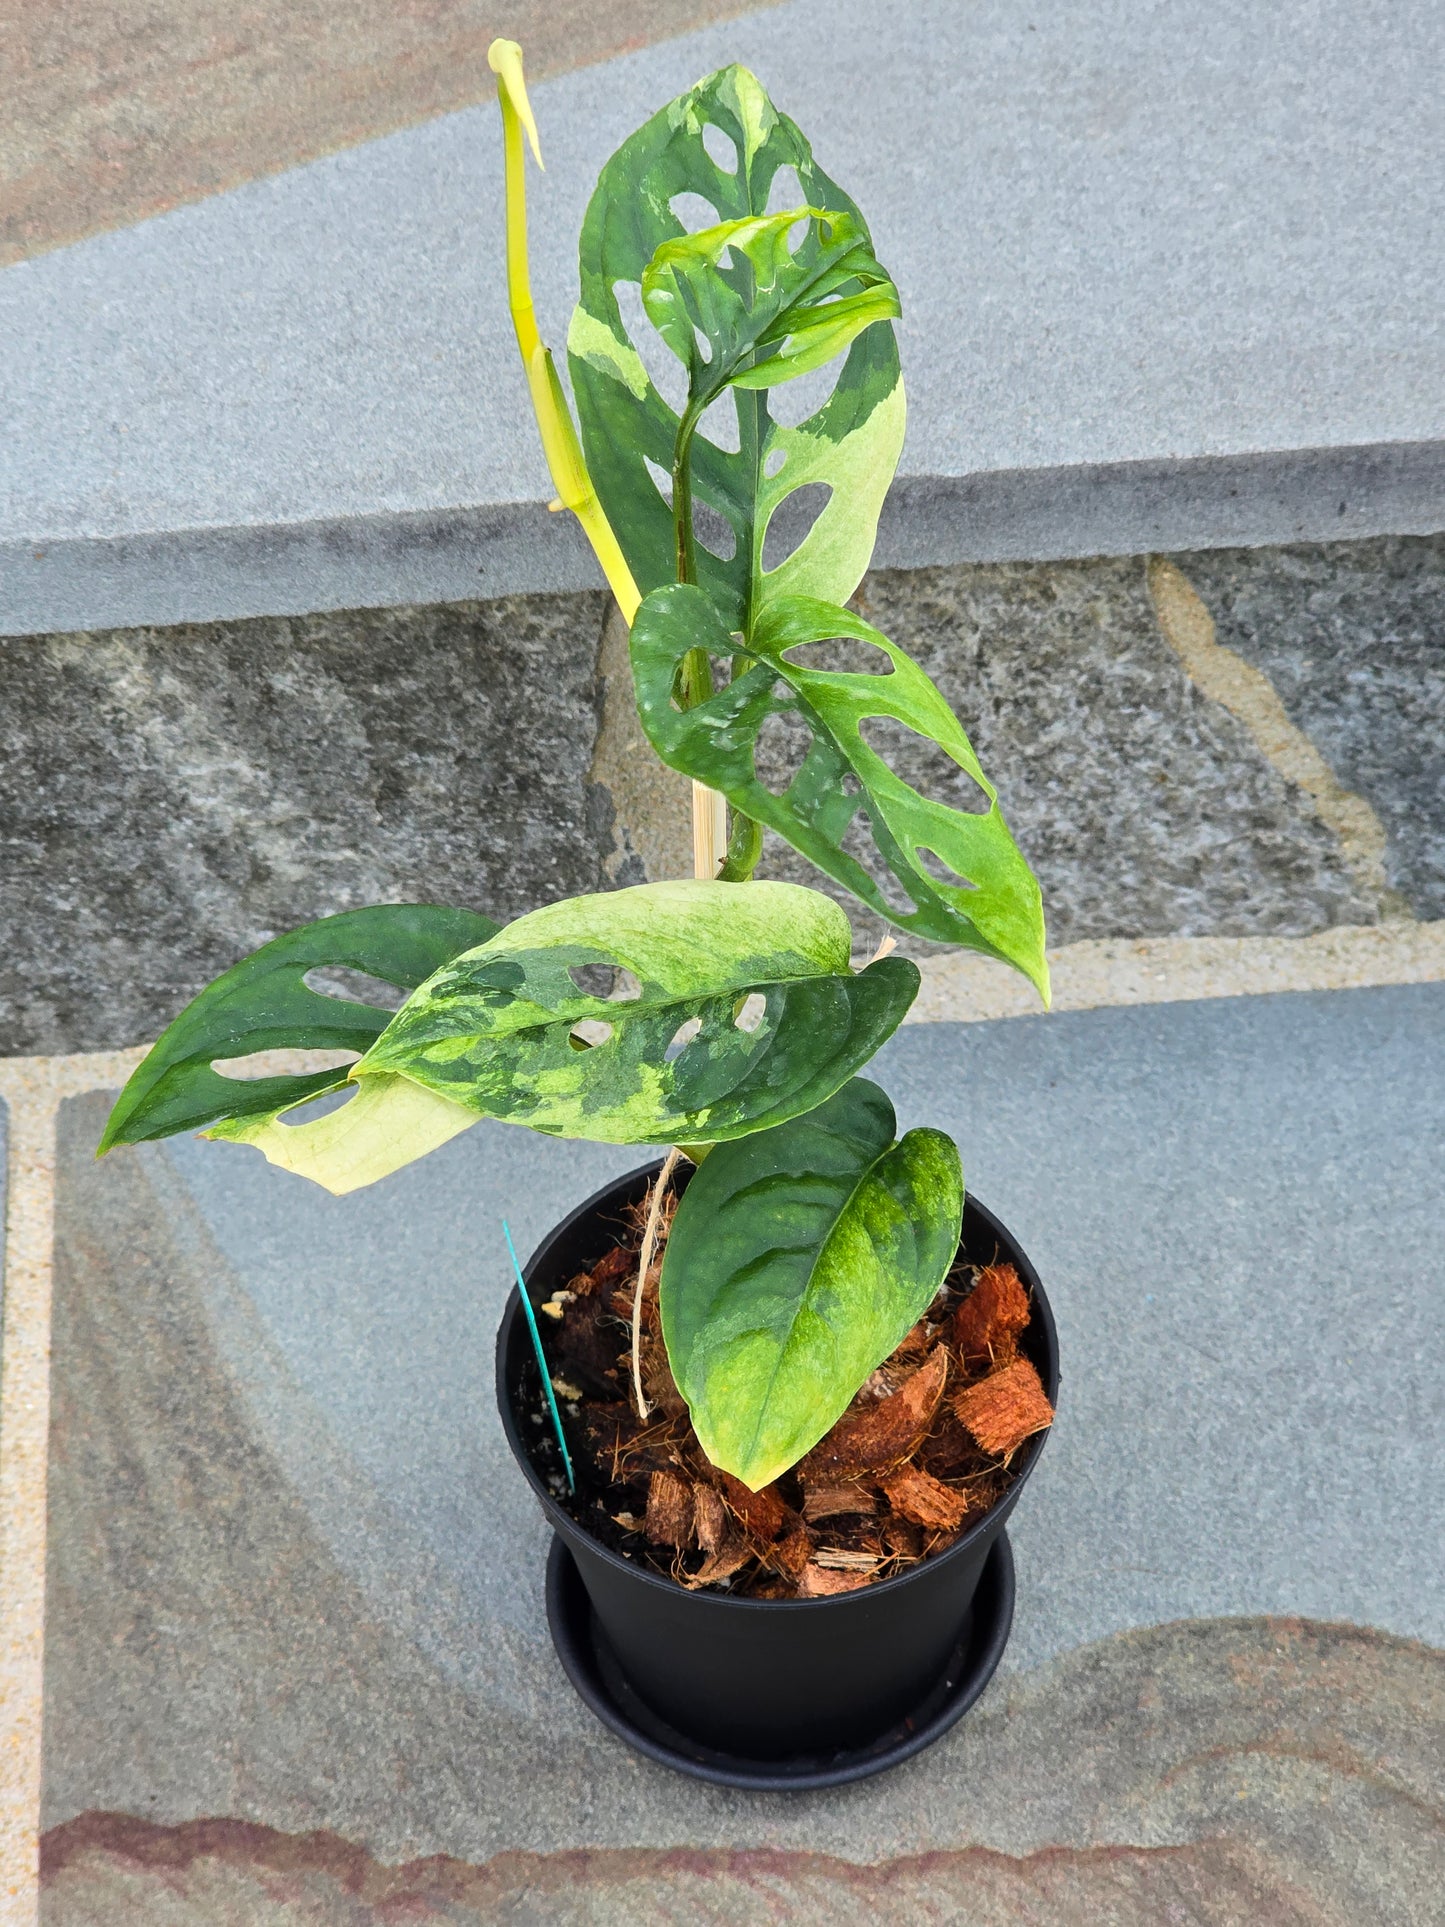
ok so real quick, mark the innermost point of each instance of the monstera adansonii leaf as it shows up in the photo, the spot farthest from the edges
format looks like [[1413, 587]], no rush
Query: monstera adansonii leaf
[[813, 286], [851, 443], [743, 1012], [992, 903], [802, 310], [797, 1261], [264, 1003]]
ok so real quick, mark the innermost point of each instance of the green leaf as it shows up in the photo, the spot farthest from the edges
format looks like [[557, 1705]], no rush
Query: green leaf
[[497, 1030], [798, 1260], [852, 442], [264, 1003], [994, 906], [807, 302]]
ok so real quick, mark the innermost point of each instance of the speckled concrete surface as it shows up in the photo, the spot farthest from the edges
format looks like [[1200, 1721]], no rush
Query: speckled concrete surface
[[108, 114], [293, 1582], [1209, 1774]]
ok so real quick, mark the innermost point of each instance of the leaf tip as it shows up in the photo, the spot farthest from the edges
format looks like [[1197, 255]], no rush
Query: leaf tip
[[1042, 983], [504, 57]]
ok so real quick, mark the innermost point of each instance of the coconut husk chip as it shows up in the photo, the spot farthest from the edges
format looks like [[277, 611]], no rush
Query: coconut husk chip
[[722, 1564], [872, 1437], [1006, 1408], [669, 1512], [818, 1582], [831, 1501], [710, 1517], [987, 1324], [762, 1513], [612, 1266], [792, 1555], [924, 1500]]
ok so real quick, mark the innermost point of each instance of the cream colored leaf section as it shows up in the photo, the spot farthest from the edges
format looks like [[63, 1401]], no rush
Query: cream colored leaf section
[[390, 1122]]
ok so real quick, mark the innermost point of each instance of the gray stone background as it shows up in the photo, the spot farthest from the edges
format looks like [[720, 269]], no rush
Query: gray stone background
[[169, 798]]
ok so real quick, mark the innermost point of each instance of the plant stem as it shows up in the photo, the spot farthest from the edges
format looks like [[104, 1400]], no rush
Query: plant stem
[[682, 491], [744, 848], [644, 1265]]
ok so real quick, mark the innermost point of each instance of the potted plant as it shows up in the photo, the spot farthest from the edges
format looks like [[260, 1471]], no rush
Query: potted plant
[[786, 1383]]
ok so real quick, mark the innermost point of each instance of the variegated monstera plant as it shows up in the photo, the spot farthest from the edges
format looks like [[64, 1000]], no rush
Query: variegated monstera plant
[[720, 1014]]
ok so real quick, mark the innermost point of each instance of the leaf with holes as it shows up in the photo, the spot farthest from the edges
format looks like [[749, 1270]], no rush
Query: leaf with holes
[[264, 1003], [850, 444], [515, 1030], [994, 904], [807, 302], [798, 1260]]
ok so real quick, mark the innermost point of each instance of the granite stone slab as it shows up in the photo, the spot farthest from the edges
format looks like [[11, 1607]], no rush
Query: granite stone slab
[[1143, 806], [1353, 639], [1169, 279], [168, 798], [1207, 1774], [295, 1582]]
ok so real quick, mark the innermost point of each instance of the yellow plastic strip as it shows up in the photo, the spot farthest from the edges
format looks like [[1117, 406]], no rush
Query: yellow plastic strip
[[554, 421]]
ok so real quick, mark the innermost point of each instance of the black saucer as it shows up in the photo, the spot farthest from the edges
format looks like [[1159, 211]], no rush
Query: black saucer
[[589, 1663]]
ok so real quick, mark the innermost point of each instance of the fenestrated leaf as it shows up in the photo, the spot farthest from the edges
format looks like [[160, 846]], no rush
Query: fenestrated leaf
[[798, 1260], [994, 906], [852, 442], [264, 1003], [498, 1029], [809, 298]]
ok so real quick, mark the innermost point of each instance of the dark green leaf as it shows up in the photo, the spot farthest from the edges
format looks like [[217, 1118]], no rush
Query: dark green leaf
[[851, 443], [514, 1030], [264, 1003], [798, 1260], [994, 906]]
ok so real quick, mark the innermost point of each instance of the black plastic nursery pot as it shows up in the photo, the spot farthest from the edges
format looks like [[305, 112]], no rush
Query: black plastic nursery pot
[[767, 1693]]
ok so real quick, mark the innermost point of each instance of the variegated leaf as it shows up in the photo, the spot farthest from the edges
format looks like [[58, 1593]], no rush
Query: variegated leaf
[[986, 897], [851, 443], [264, 1003], [745, 1012], [797, 1261]]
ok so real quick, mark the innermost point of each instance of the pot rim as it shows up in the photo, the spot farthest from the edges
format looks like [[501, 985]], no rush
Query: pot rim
[[563, 1521]]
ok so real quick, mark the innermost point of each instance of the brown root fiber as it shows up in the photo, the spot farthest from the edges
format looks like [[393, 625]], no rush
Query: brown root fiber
[[919, 1456]]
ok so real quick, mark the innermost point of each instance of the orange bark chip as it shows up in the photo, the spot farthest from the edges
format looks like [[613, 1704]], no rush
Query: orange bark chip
[[710, 1518], [818, 1582], [669, 1511], [868, 1437], [763, 1513], [917, 1495], [1003, 1410], [988, 1322]]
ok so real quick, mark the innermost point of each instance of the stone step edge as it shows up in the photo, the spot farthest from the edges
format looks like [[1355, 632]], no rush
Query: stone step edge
[[63, 584]]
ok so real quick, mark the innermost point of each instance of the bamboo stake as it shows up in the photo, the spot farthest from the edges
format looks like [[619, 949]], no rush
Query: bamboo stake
[[709, 830]]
